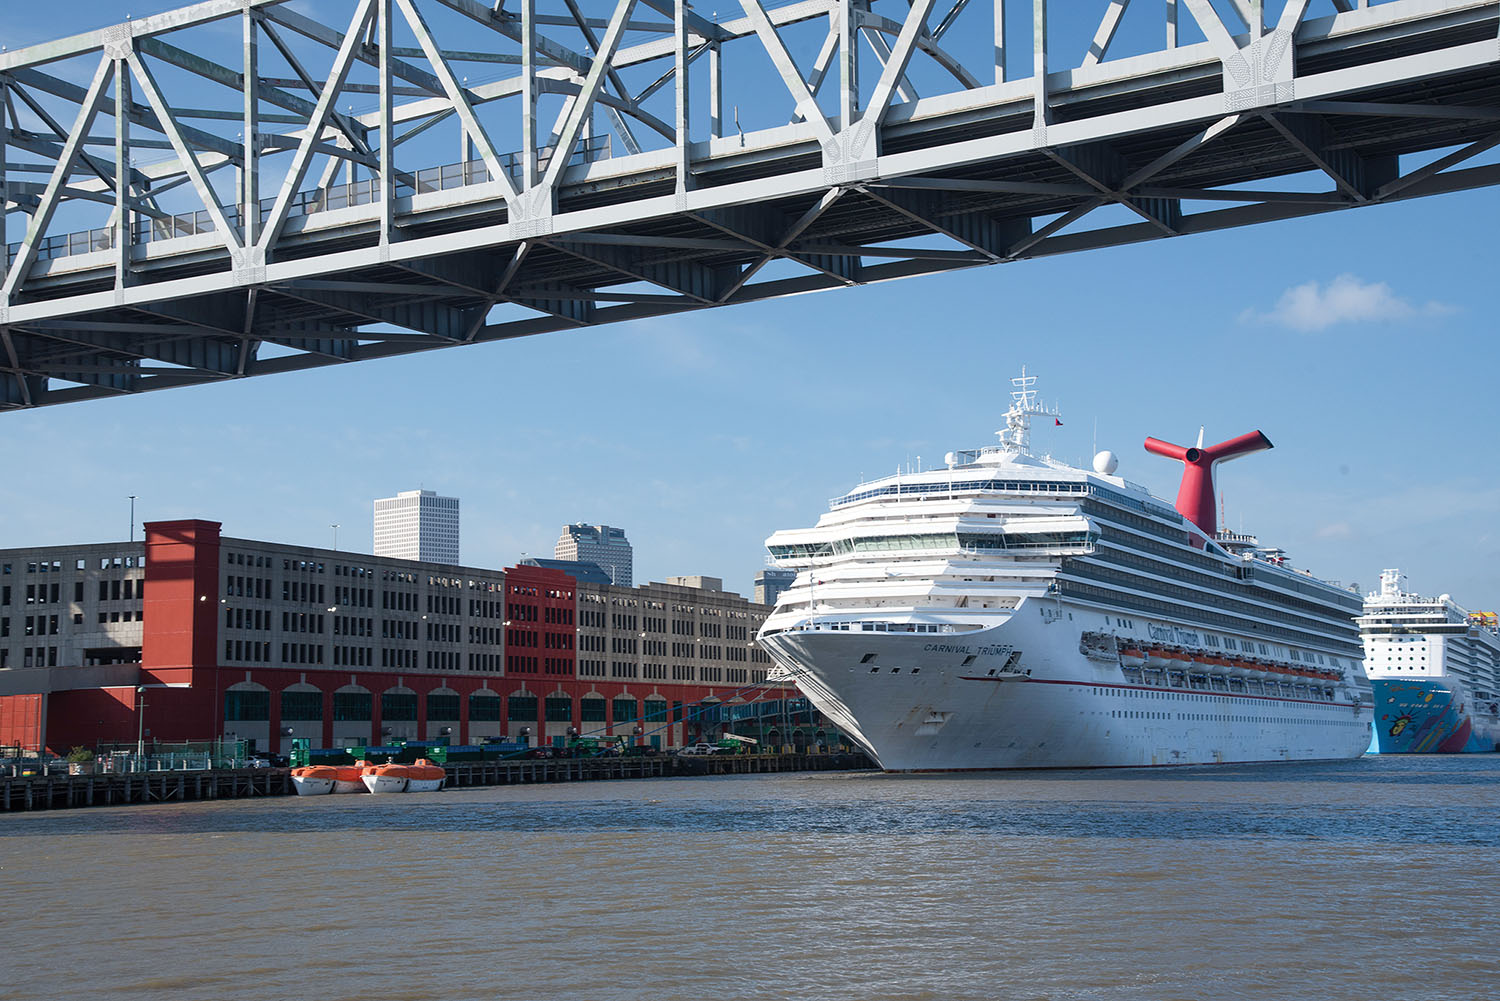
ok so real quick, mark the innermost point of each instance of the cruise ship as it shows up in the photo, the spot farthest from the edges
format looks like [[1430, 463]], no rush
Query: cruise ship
[[1434, 669], [1007, 610]]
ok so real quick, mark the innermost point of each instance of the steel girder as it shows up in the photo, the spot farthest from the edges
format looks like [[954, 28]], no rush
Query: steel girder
[[254, 222]]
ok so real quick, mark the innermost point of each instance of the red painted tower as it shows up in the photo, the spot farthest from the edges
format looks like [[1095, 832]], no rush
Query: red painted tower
[[1195, 498]]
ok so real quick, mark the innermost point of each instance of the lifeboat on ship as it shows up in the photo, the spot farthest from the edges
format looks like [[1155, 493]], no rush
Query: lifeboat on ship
[[313, 780], [1132, 656]]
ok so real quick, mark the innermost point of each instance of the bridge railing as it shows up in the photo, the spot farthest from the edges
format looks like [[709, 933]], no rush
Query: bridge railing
[[443, 177]]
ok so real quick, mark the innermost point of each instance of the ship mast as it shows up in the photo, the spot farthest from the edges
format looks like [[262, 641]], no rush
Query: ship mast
[[1016, 435]]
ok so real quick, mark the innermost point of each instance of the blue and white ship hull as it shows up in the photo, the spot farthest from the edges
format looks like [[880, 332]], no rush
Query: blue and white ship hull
[[1431, 716]]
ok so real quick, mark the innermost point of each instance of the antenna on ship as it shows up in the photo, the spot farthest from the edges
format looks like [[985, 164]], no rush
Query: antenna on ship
[[1016, 435]]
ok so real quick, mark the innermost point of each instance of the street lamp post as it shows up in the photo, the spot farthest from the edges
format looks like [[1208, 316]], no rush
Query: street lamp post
[[335, 528], [132, 517], [140, 725]]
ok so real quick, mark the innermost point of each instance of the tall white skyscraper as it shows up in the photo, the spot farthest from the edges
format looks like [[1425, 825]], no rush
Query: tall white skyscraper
[[417, 525], [598, 544]]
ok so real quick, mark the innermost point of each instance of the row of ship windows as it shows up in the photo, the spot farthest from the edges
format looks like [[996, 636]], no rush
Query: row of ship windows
[[1216, 586], [943, 541], [969, 486], [1220, 584], [1109, 576], [1218, 700], [1221, 717]]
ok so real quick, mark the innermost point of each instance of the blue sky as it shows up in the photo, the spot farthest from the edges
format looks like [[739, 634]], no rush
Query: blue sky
[[1360, 342]]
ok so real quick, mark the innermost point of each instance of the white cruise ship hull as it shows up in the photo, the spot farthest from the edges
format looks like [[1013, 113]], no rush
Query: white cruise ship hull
[[927, 702]]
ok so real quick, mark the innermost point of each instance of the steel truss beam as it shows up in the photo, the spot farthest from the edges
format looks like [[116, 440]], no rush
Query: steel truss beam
[[284, 216]]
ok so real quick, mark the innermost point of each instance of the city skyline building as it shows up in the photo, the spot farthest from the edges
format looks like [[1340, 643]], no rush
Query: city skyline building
[[580, 570], [598, 544], [770, 583], [417, 525]]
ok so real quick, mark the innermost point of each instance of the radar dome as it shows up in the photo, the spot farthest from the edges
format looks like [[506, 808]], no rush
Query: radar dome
[[1106, 462]]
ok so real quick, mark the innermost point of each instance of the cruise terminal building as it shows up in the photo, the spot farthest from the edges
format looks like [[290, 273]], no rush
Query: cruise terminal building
[[192, 636]]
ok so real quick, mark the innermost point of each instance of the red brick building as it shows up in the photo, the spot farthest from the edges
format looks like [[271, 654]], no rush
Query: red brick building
[[194, 636]]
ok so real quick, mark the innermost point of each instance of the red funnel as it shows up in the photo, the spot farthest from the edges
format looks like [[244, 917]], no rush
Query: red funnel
[[1195, 498]]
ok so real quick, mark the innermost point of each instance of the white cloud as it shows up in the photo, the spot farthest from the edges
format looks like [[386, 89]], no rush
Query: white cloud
[[1312, 306]]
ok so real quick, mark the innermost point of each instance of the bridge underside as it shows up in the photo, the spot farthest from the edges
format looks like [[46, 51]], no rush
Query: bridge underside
[[1377, 104]]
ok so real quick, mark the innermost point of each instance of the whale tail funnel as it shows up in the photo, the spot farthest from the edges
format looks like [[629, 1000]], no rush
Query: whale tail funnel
[[1195, 498]]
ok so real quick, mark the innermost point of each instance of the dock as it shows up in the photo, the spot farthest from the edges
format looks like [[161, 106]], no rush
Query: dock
[[56, 792]]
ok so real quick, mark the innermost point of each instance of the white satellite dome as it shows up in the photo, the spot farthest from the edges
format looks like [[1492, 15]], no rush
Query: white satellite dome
[[1106, 462]]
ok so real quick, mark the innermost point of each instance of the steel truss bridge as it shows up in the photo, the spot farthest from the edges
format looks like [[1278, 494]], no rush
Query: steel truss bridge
[[193, 196]]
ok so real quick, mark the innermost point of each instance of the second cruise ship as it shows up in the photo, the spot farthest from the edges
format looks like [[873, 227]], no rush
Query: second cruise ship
[[1008, 610], [1435, 670]]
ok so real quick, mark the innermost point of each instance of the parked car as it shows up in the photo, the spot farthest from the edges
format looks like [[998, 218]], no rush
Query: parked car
[[699, 748]]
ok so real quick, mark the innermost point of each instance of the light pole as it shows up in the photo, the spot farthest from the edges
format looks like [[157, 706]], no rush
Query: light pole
[[140, 725], [335, 528], [132, 517]]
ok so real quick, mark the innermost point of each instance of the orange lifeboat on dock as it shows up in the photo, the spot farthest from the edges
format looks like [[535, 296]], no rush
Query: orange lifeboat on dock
[[348, 778], [313, 780], [384, 778], [423, 776]]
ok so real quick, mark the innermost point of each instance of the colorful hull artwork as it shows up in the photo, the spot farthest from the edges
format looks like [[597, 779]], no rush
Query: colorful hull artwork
[[1426, 717]]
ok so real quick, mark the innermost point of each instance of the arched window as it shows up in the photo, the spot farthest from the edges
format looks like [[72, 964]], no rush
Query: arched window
[[484, 707], [247, 705], [352, 706], [397, 706], [521, 708], [442, 705], [299, 706]]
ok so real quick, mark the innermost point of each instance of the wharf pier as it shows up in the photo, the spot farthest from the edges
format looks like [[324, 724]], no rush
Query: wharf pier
[[54, 792]]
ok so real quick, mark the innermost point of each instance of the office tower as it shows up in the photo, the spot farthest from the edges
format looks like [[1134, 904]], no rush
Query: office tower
[[417, 525], [770, 583], [598, 544]]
